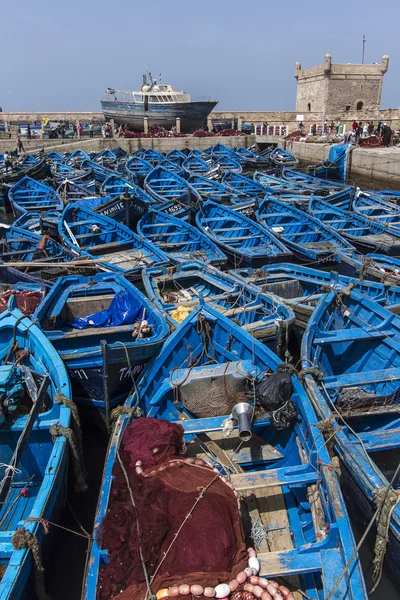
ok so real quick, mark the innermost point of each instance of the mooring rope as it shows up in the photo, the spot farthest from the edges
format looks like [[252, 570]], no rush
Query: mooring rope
[[24, 539], [80, 473]]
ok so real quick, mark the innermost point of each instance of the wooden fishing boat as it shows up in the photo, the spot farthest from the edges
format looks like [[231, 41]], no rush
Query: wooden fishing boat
[[172, 190], [195, 164], [31, 195], [138, 168], [281, 483], [377, 210], [277, 185], [282, 158], [355, 345], [41, 223], [375, 267], [301, 287], [70, 191], [61, 171], [225, 162], [336, 165], [34, 166], [313, 182], [100, 172], [79, 313], [365, 235], [176, 156], [306, 236], [253, 159], [244, 242], [24, 247], [173, 167], [210, 189], [390, 195], [177, 293], [101, 237], [178, 239], [54, 156], [34, 466], [105, 156], [126, 208], [76, 158], [241, 185]]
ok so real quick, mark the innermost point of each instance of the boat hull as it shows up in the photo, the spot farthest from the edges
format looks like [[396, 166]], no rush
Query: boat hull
[[192, 114]]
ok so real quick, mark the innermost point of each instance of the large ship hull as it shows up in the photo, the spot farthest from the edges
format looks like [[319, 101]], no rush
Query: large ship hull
[[192, 114]]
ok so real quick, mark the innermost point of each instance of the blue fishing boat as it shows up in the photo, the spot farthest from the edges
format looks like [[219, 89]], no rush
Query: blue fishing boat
[[173, 167], [177, 293], [54, 156], [100, 172], [168, 188], [179, 240], [301, 287], [252, 158], [282, 158], [176, 156], [244, 242], [363, 234], [375, 267], [390, 195], [61, 171], [277, 185], [79, 313], [355, 346], [210, 189], [31, 195], [76, 158], [25, 247], [115, 185], [225, 162], [106, 156], [243, 186], [41, 223], [152, 156], [138, 168], [34, 166], [112, 244], [309, 180], [336, 165], [377, 210], [195, 164], [281, 484], [70, 191], [33, 487], [306, 236]]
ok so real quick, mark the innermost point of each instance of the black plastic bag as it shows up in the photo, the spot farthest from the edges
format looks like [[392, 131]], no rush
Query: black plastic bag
[[274, 394]]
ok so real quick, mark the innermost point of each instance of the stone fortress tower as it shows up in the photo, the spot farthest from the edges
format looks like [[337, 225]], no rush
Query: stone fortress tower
[[337, 89]]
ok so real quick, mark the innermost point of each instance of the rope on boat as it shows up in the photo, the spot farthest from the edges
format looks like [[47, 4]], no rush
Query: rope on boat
[[77, 458], [386, 500], [76, 422], [291, 369], [258, 533], [116, 412], [24, 539], [366, 262]]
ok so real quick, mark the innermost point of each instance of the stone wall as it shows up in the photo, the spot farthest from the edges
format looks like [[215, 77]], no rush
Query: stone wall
[[37, 117]]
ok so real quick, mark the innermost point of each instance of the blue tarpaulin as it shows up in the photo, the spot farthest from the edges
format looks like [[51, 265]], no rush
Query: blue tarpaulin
[[339, 155], [124, 309]]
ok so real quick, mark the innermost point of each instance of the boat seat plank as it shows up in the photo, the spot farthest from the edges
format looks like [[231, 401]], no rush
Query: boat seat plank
[[363, 378], [244, 237], [377, 441], [290, 562], [349, 335], [209, 424], [282, 476]]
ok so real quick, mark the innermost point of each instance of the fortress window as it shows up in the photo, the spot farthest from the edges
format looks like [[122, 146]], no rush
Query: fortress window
[[360, 105], [348, 108], [309, 107]]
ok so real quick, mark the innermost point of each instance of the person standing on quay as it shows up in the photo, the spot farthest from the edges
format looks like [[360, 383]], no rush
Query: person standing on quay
[[90, 130], [387, 135], [20, 145], [7, 161], [355, 125]]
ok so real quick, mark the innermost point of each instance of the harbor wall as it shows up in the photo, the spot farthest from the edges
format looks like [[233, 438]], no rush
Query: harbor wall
[[129, 144]]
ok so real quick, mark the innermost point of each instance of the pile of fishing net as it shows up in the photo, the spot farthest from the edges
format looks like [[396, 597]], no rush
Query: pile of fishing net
[[373, 141], [27, 300], [209, 547]]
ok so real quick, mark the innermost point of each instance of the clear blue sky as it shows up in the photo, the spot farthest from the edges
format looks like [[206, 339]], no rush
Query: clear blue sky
[[62, 54]]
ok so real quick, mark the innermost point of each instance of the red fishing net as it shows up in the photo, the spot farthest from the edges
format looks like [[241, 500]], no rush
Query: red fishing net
[[209, 548], [27, 300]]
